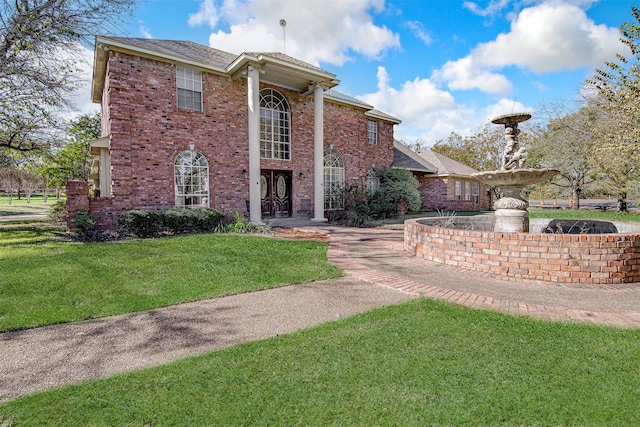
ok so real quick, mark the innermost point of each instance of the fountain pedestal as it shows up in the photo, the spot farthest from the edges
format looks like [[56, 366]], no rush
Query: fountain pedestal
[[511, 213]]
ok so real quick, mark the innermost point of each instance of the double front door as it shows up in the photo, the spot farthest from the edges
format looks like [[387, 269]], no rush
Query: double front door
[[275, 193]]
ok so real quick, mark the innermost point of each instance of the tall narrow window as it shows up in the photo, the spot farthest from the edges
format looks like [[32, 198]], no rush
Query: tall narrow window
[[467, 190], [333, 181], [189, 83], [458, 190], [476, 191], [275, 127], [373, 181], [191, 171], [372, 127]]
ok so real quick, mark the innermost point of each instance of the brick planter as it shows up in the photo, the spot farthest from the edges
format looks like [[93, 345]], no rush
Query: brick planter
[[566, 258]]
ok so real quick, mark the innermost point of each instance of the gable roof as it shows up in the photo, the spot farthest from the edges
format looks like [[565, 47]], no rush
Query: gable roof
[[277, 68], [427, 161], [405, 158], [445, 165]]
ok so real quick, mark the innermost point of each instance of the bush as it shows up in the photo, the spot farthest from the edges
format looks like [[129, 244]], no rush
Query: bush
[[85, 226], [397, 185], [150, 223]]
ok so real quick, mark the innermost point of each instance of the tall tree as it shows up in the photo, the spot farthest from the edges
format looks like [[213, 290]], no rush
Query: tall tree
[[40, 47], [73, 160], [567, 144], [618, 132], [481, 151]]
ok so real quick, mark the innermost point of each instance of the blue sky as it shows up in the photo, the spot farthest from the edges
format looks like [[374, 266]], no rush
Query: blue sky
[[438, 65]]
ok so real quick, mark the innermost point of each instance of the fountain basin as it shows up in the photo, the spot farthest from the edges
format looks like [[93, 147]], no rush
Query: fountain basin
[[588, 259], [516, 178]]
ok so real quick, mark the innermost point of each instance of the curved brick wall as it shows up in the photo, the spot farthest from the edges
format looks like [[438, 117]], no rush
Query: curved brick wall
[[567, 258]]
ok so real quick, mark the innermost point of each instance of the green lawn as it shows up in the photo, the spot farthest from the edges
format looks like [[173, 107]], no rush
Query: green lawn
[[44, 280], [418, 363], [21, 207], [584, 214]]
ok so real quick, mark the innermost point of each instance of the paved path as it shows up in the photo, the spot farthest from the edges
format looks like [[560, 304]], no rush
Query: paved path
[[42, 358]]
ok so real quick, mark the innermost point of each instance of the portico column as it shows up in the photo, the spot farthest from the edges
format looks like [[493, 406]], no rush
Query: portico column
[[318, 153], [253, 96]]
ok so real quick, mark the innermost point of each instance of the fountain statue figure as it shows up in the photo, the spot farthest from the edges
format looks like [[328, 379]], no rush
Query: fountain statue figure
[[511, 213]]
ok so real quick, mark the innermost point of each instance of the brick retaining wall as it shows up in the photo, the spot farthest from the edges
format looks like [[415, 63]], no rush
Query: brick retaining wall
[[567, 258]]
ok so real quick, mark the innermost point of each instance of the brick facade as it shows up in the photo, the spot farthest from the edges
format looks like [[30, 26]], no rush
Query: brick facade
[[147, 131], [439, 193], [588, 259]]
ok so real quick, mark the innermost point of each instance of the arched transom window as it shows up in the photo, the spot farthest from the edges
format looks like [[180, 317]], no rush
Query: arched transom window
[[333, 180], [275, 126], [191, 171]]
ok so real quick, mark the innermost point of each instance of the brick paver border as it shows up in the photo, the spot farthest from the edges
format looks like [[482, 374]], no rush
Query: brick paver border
[[339, 255]]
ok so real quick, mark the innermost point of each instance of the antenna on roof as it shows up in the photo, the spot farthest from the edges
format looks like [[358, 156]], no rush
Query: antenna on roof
[[283, 24]]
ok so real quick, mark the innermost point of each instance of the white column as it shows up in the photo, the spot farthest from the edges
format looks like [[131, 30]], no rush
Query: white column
[[253, 100], [318, 153]]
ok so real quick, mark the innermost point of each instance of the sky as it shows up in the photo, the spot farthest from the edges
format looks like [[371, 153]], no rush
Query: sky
[[440, 66]]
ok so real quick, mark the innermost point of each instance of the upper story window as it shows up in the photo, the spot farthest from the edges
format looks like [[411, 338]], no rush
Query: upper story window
[[189, 83], [191, 174], [372, 128], [275, 126]]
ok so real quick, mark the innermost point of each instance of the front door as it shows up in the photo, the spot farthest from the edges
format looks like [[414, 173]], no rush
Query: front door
[[275, 193]]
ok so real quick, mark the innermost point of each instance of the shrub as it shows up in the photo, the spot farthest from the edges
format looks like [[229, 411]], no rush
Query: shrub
[[150, 223], [85, 226]]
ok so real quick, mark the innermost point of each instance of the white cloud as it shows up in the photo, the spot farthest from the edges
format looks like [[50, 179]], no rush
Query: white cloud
[[550, 37], [314, 33], [207, 14], [466, 74], [144, 30], [418, 30], [492, 8]]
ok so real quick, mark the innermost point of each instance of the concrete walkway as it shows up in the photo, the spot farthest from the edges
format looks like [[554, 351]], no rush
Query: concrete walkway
[[378, 271]]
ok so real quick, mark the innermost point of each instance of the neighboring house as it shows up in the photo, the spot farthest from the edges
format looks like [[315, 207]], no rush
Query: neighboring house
[[443, 183], [262, 134]]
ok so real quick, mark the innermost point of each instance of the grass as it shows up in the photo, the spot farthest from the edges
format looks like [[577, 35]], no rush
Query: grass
[[22, 207], [584, 214], [44, 280], [418, 363]]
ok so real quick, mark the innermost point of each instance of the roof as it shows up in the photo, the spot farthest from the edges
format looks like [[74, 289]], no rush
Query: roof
[[445, 165], [405, 158], [275, 67], [428, 161]]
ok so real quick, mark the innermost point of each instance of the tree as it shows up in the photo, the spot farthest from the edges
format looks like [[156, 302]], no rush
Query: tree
[[618, 132], [567, 144], [73, 160], [481, 151], [40, 46]]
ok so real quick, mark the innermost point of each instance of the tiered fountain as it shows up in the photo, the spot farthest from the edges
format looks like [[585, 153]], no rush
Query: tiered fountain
[[511, 213]]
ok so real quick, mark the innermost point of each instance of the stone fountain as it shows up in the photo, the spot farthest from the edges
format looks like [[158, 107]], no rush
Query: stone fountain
[[511, 213]]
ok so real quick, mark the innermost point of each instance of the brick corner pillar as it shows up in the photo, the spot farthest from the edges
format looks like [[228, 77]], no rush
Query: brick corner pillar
[[77, 200]]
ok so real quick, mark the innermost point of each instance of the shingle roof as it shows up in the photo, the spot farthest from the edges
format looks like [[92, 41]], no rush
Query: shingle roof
[[405, 158], [427, 161], [446, 165], [183, 48]]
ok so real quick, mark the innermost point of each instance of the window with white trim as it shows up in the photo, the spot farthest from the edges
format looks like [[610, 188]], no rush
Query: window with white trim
[[458, 190], [189, 84], [275, 126], [372, 130], [333, 181], [191, 176], [467, 190], [476, 191]]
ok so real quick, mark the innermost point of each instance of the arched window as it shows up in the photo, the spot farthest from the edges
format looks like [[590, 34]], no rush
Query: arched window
[[275, 126], [333, 181], [191, 171]]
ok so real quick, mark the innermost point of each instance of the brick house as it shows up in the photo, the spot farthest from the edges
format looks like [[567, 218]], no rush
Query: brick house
[[186, 125], [443, 183]]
